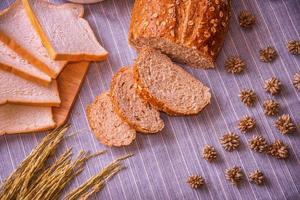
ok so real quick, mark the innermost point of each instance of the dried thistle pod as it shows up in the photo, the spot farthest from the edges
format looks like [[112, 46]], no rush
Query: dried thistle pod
[[209, 153], [234, 175], [285, 124], [235, 65], [293, 47], [257, 177], [278, 150], [269, 54], [271, 107], [248, 97], [273, 85], [230, 141], [296, 81], [258, 143], [246, 19], [195, 181], [246, 124]]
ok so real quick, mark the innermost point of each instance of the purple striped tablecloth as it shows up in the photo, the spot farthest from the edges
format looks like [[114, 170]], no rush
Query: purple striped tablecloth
[[162, 162]]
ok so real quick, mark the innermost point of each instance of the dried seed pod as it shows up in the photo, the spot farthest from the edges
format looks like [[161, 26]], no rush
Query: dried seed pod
[[273, 86], [246, 124], [234, 175], [271, 107], [257, 177], [294, 47], [209, 153], [258, 143], [230, 141], [285, 125], [268, 54], [246, 19], [235, 65], [296, 81], [195, 181], [248, 97], [278, 150]]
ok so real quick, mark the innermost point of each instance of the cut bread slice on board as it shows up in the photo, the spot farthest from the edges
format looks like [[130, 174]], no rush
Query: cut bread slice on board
[[18, 34], [12, 62], [24, 119], [137, 112], [167, 86], [69, 83], [14, 89], [64, 32], [106, 125]]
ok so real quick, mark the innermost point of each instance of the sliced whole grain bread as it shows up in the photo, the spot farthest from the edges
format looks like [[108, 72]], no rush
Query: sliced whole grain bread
[[17, 33], [138, 113], [24, 119], [65, 34], [106, 125], [14, 89], [167, 86], [12, 62]]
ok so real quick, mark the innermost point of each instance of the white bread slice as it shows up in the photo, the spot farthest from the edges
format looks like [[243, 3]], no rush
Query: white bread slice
[[14, 89], [64, 32], [106, 125], [167, 86], [12, 62], [137, 112], [24, 119], [17, 32]]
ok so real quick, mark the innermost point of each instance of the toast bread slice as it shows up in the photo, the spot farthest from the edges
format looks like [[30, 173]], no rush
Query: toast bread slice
[[14, 89], [106, 125], [167, 86], [138, 113], [18, 34], [24, 119], [64, 32]]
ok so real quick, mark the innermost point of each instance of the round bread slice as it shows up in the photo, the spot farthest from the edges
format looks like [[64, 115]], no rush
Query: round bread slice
[[106, 125], [137, 112], [167, 86]]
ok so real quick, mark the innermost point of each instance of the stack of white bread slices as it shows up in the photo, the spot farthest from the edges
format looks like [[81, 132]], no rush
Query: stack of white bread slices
[[37, 40]]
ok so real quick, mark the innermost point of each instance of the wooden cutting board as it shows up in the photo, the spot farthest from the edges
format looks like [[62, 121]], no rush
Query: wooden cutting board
[[69, 84]]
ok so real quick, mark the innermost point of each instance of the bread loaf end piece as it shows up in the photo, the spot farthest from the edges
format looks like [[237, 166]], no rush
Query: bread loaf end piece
[[167, 86], [24, 119], [137, 112], [190, 32], [106, 125]]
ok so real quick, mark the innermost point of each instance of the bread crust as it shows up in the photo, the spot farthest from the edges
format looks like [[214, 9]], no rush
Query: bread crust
[[117, 109], [198, 26], [78, 11]]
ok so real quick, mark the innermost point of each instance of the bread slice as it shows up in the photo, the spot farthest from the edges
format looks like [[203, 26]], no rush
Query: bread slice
[[12, 62], [190, 32], [138, 113], [17, 33], [14, 89], [107, 126], [167, 86], [24, 119], [65, 34]]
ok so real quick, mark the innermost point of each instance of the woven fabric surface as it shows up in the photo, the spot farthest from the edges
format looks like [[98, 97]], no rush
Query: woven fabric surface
[[163, 161]]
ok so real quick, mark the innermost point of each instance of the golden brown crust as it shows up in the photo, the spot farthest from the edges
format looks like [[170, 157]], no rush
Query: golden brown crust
[[199, 25]]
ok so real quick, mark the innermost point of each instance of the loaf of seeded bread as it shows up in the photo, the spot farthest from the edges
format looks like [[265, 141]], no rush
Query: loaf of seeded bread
[[17, 32], [14, 89], [106, 125], [12, 62], [24, 119], [190, 32], [64, 33], [167, 86], [138, 113]]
